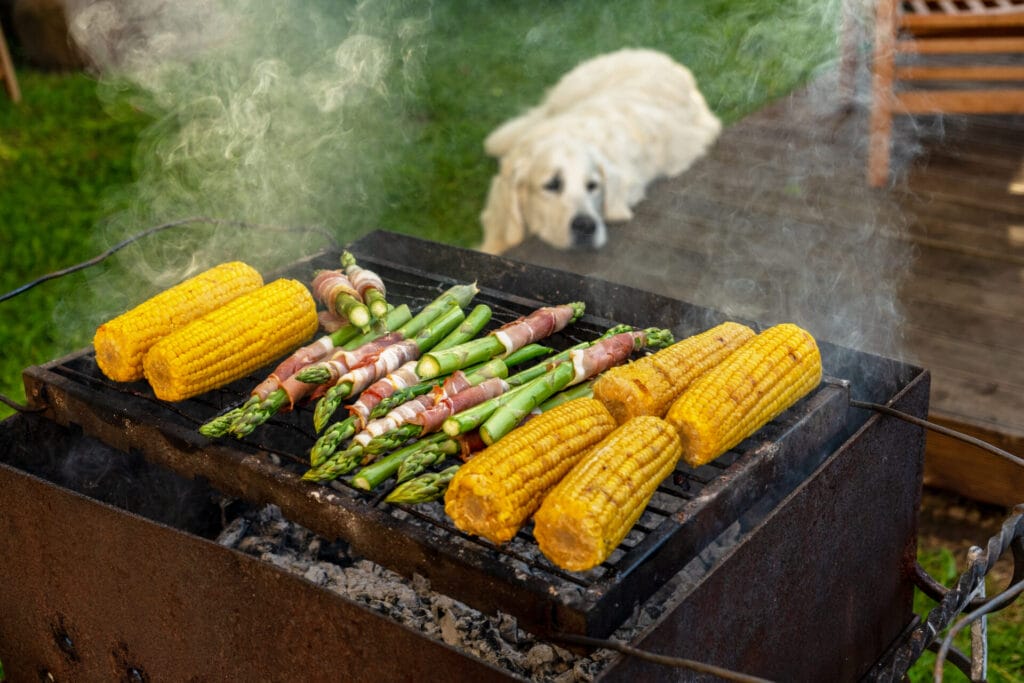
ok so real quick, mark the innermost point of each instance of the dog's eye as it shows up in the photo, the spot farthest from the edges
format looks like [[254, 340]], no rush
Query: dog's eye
[[591, 185], [554, 185]]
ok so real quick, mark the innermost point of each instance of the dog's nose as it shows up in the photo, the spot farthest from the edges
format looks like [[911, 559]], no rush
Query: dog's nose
[[583, 226]]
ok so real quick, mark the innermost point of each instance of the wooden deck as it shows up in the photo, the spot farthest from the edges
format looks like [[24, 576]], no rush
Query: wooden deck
[[778, 223]]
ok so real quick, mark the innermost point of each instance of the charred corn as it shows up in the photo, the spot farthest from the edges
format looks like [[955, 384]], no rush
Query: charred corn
[[751, 386], [591, 510], [499, 488], [121, 343], [232, 341], [649, 385]]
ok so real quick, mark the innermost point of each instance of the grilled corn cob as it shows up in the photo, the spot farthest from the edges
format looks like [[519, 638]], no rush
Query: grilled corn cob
[[121, 343], [231, 341], [750, 387], [591, 510], [649, 385], [495, 492]]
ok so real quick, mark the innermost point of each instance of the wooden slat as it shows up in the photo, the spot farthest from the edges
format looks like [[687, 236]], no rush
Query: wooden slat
[[1004, 101], [960, 73], [961, 20], [952, 46]]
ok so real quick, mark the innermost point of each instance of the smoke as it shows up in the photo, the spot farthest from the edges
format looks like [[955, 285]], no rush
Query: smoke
[[279, 113]]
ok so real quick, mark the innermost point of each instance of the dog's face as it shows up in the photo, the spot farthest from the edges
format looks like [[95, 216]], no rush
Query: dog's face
[[561, 195]]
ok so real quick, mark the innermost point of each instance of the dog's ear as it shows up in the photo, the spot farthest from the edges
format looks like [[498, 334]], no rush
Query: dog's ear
[[502, 217], [617, 190], [505, 137]]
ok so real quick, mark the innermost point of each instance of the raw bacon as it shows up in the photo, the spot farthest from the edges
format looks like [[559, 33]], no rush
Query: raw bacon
[[540, 324]]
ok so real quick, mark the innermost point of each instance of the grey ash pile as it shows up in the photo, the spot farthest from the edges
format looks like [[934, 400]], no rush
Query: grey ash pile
[[266, 534]]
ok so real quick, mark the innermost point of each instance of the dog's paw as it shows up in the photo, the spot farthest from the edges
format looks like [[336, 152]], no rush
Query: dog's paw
[[618, 213]]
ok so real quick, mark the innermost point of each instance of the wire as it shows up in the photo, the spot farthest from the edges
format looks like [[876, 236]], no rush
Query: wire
[[1004, 598], [155, 229], [19, 407], [940, 429], [664, 660]]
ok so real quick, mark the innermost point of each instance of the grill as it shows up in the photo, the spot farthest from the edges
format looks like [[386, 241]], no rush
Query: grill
[[813, 517]]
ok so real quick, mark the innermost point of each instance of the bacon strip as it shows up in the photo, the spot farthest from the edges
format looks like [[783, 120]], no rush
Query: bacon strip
[[331, 321], [328, 284], [389, 360], [606, 353], [394, 419], [307, 355], [371, 397], [432, 418], [540, 324], [363, 279], [340, 362]]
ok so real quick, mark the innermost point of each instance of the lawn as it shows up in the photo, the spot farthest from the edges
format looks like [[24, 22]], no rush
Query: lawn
[[347, 120]]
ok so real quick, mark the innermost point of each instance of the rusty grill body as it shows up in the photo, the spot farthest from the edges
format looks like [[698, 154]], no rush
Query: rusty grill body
[[814, 517]]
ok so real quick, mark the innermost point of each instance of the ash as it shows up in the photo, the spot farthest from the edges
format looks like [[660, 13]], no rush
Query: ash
[[265, 533]]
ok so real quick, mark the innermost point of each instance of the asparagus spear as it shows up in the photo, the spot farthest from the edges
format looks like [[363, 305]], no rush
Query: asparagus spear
[[383, 469], [541, 323], [256, 415], [424, 488]]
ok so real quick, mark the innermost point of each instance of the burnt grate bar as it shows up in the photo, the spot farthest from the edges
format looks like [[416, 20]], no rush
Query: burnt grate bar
[[690, 507]]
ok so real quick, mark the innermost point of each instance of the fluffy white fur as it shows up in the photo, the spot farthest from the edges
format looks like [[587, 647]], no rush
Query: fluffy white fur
[[587, 152]]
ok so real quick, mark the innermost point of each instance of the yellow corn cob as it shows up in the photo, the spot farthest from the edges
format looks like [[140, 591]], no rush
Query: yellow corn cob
[[591, 510], [122, 342], [232, 341], [648, 386], [738, 396], [498, 489]]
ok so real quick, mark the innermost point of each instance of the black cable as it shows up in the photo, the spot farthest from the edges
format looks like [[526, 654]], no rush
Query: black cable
[[665, 660], [940, 429], [155, 229]]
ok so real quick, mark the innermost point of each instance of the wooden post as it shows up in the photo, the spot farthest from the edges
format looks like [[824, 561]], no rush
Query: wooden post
[[7, 71], [882, 67]]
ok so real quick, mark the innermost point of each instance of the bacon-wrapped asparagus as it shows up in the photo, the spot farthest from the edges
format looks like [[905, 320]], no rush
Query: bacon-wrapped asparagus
[[369, 285], [342, 339], [293, 390], [387, 394], [397, 426], [337, 392], [340, 297], [509, 337]]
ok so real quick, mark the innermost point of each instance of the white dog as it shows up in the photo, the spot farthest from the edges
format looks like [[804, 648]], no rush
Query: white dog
[[588, 151]]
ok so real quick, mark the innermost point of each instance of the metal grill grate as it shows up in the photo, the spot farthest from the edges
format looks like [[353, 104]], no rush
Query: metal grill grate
[[688, 511]]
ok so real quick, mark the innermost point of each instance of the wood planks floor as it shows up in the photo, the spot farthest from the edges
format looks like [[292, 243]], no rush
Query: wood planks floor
[[777, 223]]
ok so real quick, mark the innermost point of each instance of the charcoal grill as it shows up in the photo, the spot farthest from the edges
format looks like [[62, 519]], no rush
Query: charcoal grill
[[814, 519]]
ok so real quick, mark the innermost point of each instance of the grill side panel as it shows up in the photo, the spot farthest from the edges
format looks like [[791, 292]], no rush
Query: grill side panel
[[90, 592]]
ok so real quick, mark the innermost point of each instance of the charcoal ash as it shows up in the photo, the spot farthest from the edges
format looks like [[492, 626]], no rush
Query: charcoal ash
[[497, 639]]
